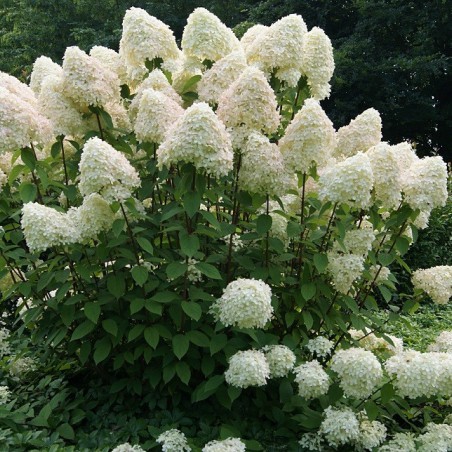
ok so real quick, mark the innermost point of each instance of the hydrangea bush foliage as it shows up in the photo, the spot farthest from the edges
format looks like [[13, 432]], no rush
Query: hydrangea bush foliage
[[189, 226]]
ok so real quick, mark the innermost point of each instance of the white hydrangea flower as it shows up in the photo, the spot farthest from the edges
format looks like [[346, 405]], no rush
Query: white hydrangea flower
[[309, 139], [126, 447], [119, 117], [43, 67], [371, 433], [144, 37], [198, 137], [359, 371], [158, 82], [350, 181], [443, 343], [320, 345], [5, 348], [425, 184], [247, 368], [405, 156], [45, 227], [401, 442], [111, 60], [312, 441], [421, 221], [92, 217], [340, 426], [279, 47], [344, 269], [362, 133], [237, 243], [156, 114], [205, 37], [20, 122], [18, 367], [19, 89], [251, 35], [173, 440], [317, 62], [383, 274], [421, 374], [245, 303], [280, 358], [61, 110], [250, 102], [357, 241], [312, 380], [193, 273], [278, 228], [220, 76], [436, 282], [437, 438], [105, 170], [5, 394], [387, 187], [227, 445], [86, 81], [188, 68], [262, 167]]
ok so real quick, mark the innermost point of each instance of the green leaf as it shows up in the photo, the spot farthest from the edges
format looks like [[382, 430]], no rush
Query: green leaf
[[372, 410], [386, 259], [116, 285], [27, 192], [190, 82], [28, 158], [192, 201], [14, 173], [198, 338], [387, 393], [110, 326], [82, 330], [135, 332], [176, 269], [66, 431], [308, 290], [192, 309], [154, 307], [151, 336], [102, 349], [209, 270], [180, 345], [402, 245], [145, 245], [136, 305], [320, 262], [307, 319], [263, 223], [92, 311], [387, 295], [213, 383], [217, 343], [189, 244], [140, 275], [118, 226], [183, 371]]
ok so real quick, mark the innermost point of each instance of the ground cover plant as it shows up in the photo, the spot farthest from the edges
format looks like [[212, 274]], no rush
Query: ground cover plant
[[193, 258]]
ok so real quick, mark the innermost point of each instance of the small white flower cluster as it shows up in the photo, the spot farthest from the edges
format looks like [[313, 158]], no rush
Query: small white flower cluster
[[359, 371], [357, 241], [111, 60], [42, 68], [309, 139], [383, 274], [279, 47], [237, 243], [320, 345], [317, 62], [312, 380], [249, 104], [280, 358], [198, 137], [262, 169], [156, 114], [220, 76], [421, 374], [18, 367], [247, 368], [436, 282], [387, 180], [5, 394], [5, 348], [443, 343], [126, 447], [344, 269], [437, 438], [245, 303], [362, 133], [371, 433], [340, 426], [400, 442], [350, 181], [227, 445], [145, 38], [193, 273], [107, 171], [173, 440], [371, 342], [205, 37]]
